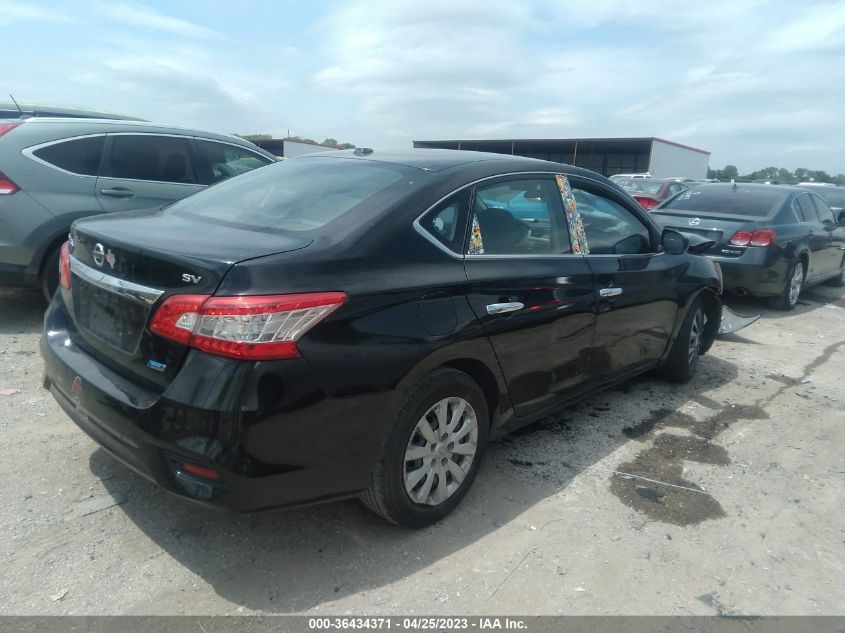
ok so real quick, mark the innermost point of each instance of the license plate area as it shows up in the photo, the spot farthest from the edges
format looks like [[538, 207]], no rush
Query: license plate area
[[110, 318]]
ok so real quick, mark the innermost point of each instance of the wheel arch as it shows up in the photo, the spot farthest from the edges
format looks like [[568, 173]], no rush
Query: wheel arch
[[474, 358], [713, 310]]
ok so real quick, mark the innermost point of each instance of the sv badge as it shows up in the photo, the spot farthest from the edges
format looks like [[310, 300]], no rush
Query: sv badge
[[191, 279]]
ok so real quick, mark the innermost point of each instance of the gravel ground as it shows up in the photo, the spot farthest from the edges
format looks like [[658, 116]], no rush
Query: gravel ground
[[555, 523]]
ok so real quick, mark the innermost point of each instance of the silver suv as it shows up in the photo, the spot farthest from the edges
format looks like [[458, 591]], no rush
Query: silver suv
[[55, 170]]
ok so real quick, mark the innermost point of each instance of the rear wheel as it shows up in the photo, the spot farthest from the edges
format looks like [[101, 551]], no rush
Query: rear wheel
[[50, 274], [682, 361], [788, 299], [431, 454]]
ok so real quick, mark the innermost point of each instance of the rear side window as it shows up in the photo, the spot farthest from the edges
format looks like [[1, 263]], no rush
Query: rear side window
[[518, 217], [758, 201], [447, 221], [150, 157], [78, 156], [808, 209], [219, 161], [300, 194]]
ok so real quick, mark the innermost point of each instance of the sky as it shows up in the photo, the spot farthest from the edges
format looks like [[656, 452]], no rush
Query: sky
[[755, 83]]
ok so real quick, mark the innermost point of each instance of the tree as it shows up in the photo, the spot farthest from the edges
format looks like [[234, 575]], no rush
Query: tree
[[729, 172], [330, 141], [255, 137], [346, 146]]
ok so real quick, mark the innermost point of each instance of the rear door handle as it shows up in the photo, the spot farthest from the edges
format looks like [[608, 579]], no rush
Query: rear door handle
[[610, 292], [118, 192], [499, 308]]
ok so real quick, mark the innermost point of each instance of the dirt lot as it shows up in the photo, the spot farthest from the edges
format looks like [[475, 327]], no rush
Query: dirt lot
[[753, 524]]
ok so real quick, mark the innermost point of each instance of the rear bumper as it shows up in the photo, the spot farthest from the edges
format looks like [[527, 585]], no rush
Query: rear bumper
[[758, 271], [268, 429]]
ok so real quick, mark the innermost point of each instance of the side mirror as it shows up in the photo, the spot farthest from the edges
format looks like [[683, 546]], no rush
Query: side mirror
[[674, 243]]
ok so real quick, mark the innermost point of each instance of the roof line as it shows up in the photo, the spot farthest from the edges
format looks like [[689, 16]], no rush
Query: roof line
[[648, 139], [695, 149]]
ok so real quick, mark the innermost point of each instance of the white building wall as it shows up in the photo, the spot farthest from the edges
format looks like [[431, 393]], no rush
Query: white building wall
[[295, 148], [672, 161]]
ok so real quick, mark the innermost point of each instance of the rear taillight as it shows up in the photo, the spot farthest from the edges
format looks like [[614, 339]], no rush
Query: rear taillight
[[759, 237], [6, 127], [64, 266], [7, 187], [248, 328], [646, 203]]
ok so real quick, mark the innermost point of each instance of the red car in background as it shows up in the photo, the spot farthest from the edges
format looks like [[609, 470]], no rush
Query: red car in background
[[650, 192]]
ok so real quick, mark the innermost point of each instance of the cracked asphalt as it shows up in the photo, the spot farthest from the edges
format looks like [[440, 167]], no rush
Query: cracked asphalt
[[722, 496]]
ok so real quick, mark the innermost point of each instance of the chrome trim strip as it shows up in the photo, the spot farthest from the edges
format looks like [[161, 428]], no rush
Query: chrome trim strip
[[424, 233], [128, 289], [29, 153]]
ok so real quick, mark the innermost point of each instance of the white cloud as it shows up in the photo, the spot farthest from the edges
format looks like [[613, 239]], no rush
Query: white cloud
[[822, 27], [750, 81], [12, 11], [144, 17]]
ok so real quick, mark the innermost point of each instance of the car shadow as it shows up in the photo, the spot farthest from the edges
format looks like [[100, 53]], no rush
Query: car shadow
[[21, 311], [813, 298], [297, 559]]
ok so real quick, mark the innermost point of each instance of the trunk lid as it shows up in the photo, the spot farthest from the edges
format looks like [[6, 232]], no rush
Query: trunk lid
[[711, 225], [123, 266]]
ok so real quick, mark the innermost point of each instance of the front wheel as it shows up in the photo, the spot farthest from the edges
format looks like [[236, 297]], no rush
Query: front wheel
[[788, 299], [680, 365], [431, 454]]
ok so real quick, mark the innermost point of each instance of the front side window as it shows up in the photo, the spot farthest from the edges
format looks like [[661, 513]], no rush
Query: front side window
[[825, 212], [221, 160], [78, 156], [150, 157], [610, 228], [518, 217]]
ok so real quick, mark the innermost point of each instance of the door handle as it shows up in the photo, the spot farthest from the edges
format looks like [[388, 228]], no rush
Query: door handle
[[118, 192], [610, 292], [499, 308]]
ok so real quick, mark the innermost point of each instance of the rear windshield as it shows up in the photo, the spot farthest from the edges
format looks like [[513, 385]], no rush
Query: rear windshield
[[640, 185], [301, 194], [759, 201], [834, 196]]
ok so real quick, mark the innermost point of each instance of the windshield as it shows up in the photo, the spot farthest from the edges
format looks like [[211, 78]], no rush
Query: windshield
[[757, 201], [301, 194], [834, 196]]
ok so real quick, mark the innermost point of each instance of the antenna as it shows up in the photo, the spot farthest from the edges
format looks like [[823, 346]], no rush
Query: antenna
[[16, 103]]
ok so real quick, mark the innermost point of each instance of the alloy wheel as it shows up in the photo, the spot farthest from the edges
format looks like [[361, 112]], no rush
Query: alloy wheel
[[795, 283], [696, 330], [440, 451]]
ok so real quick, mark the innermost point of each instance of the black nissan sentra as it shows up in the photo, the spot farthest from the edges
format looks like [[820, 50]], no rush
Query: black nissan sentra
[[362, 324]]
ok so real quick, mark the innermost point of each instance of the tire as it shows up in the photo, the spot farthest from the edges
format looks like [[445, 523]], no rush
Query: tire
[[788, 298], [50, 274], [682, 361], [433, 476], [838, 281]]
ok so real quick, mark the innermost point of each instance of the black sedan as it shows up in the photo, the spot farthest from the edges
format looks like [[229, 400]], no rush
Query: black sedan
[[770, 240], [361, 324]]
